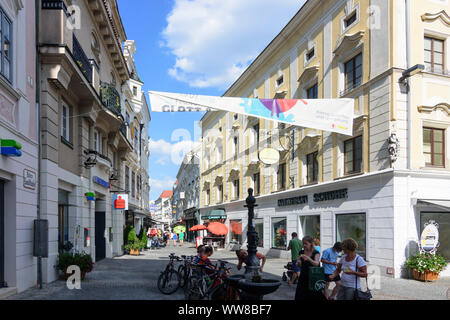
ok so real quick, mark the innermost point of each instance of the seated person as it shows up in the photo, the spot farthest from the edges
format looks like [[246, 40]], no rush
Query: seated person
[[242, 256], [200, 253], [204, 260]]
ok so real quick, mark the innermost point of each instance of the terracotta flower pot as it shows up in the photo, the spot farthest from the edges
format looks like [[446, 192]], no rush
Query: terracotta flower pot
[[135, 252], [426, 276]]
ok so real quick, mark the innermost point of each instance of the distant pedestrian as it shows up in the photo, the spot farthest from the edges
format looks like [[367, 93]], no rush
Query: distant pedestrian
[[329, 261], [309, 257], [166, 238], [317, 245], [295, 245], [242, 256], [354, 268], [174, 238], [181, 237]]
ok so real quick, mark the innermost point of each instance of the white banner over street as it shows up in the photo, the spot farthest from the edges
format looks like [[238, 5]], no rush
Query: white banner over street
[[333, 115]]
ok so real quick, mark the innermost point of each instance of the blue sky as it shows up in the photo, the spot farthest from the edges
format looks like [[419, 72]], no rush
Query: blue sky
[[198, 47]]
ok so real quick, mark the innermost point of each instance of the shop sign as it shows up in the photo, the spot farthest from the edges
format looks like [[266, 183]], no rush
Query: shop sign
[[429, 241], [101, 182], [269, 156], [29, 179], [120, 202], [331, 195], [293, 201]]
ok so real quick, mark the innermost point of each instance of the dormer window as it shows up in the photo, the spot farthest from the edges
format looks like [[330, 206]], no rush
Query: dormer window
[[350, 20], [310, 54], [135, 91], [280, 81]]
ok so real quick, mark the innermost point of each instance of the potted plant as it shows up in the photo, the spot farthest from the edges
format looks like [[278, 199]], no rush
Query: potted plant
[[82, 260], [134, 247], [426, 266]]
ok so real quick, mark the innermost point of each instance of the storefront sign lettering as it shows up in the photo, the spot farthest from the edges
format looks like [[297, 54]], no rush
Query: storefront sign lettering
[[331, 195], [293, 201]]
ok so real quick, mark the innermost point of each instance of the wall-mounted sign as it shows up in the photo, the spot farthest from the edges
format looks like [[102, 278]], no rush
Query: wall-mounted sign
[[293, 201], [429, 241], [101, 182], [90, 196], [331, 195], [10, 148], [120, 202], [29, 179], [269, 156]]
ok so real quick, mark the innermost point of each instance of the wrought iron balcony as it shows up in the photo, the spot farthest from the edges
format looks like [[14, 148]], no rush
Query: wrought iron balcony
[[82, 60], [110, 98]]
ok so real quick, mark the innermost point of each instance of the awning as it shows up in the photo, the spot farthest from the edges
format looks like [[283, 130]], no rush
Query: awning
[[444, 204], [215, 214]]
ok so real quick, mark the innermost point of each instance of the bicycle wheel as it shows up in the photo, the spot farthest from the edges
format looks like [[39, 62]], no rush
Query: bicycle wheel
[[192, 290], [168, 282], [183, 275]]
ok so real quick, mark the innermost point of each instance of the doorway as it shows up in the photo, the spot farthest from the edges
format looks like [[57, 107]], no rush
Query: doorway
[[2, 235], [100, 240]]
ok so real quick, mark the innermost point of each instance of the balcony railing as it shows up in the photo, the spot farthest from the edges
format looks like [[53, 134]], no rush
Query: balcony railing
[[110, 98], [82, 60]]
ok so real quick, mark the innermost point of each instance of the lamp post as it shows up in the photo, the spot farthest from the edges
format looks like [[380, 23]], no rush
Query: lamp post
[[252, 264]]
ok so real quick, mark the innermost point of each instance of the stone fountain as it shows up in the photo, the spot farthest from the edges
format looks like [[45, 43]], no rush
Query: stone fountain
[[252, 284]]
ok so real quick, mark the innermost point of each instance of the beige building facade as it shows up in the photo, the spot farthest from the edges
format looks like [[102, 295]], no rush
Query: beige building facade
[[379, 186]]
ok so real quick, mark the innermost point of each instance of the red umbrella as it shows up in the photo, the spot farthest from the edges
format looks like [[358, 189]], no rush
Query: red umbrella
[[218, 229], [236, 227], [198, 228]]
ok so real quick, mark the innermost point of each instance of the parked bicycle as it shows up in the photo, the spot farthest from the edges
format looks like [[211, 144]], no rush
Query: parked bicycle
[[185, 270], [169, 281]]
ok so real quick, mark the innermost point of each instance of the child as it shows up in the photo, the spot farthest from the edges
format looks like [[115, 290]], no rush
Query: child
[[329, 260]]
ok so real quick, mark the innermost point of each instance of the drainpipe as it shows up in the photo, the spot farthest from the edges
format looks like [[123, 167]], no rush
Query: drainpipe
[[38, 120], [408, 85]]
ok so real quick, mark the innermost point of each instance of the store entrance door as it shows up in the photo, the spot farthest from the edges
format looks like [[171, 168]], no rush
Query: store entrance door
[[100, 241], [2, 235]]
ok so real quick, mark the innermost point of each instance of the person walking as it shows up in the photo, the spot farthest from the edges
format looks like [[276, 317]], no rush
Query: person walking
[[181, 237], [354, 268], [329, 261], [295, 245], [174, 238], [308, 258]]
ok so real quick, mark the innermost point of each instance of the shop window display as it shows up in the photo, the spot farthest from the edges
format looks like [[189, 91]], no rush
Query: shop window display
[[279, 239], [236, 231], [443, 219], [311, 226], [352, 226]]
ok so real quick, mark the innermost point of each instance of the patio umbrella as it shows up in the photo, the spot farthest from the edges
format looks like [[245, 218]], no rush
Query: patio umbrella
[[236, 227], [218, 229], [179, 229], [198, 228]]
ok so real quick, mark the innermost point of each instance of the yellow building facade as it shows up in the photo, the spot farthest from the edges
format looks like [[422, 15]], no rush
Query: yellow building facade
[[378, 186]]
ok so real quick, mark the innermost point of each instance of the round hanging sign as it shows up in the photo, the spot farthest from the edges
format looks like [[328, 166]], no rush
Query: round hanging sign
[[269, 156], [429, 241]]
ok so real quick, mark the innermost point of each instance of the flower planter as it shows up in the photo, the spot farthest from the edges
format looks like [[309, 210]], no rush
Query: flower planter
[[134, 252], [427, 276]]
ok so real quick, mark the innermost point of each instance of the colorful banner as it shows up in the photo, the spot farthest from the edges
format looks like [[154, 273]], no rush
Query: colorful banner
[[333, 115]]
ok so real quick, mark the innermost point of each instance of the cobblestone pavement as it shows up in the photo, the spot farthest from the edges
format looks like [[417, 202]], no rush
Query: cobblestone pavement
[[135, 278]]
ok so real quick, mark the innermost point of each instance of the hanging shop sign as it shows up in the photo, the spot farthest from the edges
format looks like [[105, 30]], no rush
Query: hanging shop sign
[[333, 115], [120, 202], [331, 195], [269, 156], [90, 196], [29, 179], [10, 148], [293, 201], [101, 182], [429, 241]]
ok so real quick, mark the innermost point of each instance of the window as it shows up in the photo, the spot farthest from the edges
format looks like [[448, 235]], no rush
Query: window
[[236, 147], [208, 197], [97, 143], [353, 155], [257, 134], [135, 91], [312, 92], [282, 176], [310, 226], [259, 228], [133, 185], [350, 20], [257, 183], [434, 55], [236, 231], [353, 72], [136, 138], [127, 179], [280, 81], [310, 54], [236, 190], [434, 147], [220, 193], [65, 123], [443, 219], [279, 233], [282, 126], [5, 50], [312, 167], [352, 226], [236, 116]]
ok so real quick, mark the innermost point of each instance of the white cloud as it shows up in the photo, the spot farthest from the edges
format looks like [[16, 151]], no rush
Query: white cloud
[[215, 41], [164, 184], [166, 152]]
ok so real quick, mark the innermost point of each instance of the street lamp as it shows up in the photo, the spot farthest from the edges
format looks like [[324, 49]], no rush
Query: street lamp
[[411, 72]]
